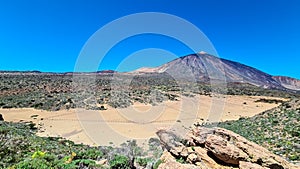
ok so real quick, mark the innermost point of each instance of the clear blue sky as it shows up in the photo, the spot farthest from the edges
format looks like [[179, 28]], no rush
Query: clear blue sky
[[48, 35]]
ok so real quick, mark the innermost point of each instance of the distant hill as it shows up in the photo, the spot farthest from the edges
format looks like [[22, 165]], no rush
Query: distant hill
[[35, 72], [204, 67], [201, 67], [288, 82], [23, 72]]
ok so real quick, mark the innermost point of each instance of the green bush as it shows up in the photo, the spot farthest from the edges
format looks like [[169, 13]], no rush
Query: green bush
[[91, 153], [120, 162], [143, 161], [181, 160], [37, 163], [21, 148], [155, 166]]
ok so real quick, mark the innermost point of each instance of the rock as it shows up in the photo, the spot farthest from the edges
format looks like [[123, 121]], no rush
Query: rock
[[256, 153], [170, 141], [167, 157], [198, 164], [224, 150], [217, 148], [248, 165], [297, 146], [190, 150], [177, 150], [198, 137], [1, 117], [185, 152], [192, 158], [102, 162], [176, 165], [171, 163], [206, 161]]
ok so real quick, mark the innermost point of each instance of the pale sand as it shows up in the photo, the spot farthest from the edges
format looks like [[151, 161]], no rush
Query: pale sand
[[139, 121]]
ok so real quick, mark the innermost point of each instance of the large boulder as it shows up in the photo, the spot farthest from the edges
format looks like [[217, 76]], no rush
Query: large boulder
[[217, 148], [224, 150]]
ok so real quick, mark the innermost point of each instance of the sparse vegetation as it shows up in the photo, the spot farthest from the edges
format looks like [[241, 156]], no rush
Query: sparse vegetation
[[120, 161], [143, 161], [277, 129], [58, 91], [157, 164], [263, 100], [21, 148]]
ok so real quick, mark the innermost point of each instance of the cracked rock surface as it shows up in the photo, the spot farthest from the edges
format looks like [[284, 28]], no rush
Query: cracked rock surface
[[217, 148]]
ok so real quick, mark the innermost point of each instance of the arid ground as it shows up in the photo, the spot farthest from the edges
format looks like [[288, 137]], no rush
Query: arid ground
[[139, 121]]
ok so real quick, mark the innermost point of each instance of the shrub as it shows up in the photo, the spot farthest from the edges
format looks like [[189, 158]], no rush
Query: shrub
[[155, 166], [36, 163], [143, 161], [120, 162], [91, 153]]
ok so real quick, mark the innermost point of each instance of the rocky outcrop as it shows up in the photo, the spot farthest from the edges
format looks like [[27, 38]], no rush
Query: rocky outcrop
[[171, 163], [216, 148], [1, 117]]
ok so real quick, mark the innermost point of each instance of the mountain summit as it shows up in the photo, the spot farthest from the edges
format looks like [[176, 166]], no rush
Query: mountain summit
[[204, 67]]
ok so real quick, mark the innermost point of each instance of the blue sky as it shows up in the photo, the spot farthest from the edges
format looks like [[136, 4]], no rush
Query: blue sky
[[48, 35]]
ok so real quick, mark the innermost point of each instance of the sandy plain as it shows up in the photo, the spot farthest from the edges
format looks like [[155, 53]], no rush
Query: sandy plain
[[139, 121]]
